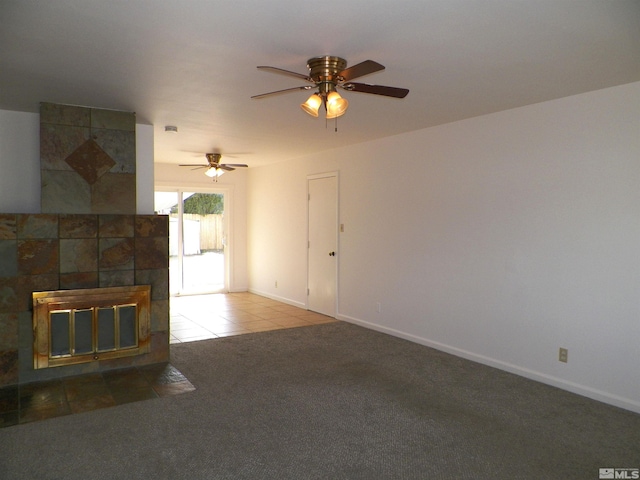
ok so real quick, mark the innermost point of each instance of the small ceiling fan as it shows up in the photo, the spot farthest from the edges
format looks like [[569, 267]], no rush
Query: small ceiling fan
[[326, 74], [214, 168]]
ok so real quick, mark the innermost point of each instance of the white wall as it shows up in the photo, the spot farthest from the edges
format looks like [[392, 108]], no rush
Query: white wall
[[234, 185], [499, 238], [20, 164], [144, 169]]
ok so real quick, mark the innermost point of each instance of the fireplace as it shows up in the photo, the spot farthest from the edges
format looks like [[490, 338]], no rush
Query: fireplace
[[89, 235], [77, 326]]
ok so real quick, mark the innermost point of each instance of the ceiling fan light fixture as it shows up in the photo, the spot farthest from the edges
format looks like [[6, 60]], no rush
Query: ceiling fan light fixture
[[327, 73], [312, 105], [336, 105]]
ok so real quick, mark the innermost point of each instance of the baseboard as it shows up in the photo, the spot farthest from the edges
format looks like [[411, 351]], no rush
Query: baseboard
[[572, 387], [288, 301]]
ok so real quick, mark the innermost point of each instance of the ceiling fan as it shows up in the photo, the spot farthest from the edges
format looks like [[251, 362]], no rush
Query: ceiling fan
[[214, 168], [326, 74]]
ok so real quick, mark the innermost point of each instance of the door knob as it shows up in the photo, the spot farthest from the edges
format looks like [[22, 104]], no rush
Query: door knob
[[332, 254]]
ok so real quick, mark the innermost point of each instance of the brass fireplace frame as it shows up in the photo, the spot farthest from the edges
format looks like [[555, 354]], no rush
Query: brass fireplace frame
[[70, 301]]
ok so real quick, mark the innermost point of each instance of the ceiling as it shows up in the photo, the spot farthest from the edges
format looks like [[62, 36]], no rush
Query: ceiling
[[193, 63]]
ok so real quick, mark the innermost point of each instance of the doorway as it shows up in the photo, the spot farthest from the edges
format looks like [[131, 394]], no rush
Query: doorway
[[197, 240], [323, 243]]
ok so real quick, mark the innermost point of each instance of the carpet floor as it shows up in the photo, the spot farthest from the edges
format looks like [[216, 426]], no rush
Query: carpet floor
[[332, 401]]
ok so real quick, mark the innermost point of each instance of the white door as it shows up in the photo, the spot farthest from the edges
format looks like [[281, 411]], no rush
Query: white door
[[323, 244]]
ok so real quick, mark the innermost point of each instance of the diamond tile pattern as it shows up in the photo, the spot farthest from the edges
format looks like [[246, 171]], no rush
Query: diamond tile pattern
[[90, 161], [87, 160]]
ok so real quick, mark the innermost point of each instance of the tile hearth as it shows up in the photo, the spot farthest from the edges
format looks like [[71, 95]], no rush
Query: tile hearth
[[193, 318], [54, 398]]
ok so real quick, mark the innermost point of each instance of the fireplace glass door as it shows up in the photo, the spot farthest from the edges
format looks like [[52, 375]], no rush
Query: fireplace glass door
[[77, 332], [77, 326]]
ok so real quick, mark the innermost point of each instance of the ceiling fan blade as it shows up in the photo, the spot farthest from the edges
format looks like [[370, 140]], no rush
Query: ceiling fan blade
[[237, 165], [199, 165], [226, 168], [287, 72], [360, 69], [305, 87], [376, 89]]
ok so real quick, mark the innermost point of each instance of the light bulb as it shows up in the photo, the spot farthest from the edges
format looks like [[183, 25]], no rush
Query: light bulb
[[312, 105], [213, 172], [336, 105]]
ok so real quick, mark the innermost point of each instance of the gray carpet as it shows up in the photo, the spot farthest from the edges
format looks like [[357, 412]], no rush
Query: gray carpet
[[332, 401]]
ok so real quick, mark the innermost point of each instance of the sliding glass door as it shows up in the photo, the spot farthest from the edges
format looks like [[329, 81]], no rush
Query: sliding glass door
[[197, 240]]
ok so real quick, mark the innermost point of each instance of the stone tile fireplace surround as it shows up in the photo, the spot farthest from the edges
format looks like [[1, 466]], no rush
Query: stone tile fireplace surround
[[88, 236]]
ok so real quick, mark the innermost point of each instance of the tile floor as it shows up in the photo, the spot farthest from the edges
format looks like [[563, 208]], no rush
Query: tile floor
[[54, 398], [200, 317], [193, 318]]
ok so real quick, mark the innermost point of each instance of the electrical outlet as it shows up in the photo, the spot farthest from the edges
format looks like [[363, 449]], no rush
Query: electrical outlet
[[563, 355], [378, 308]]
